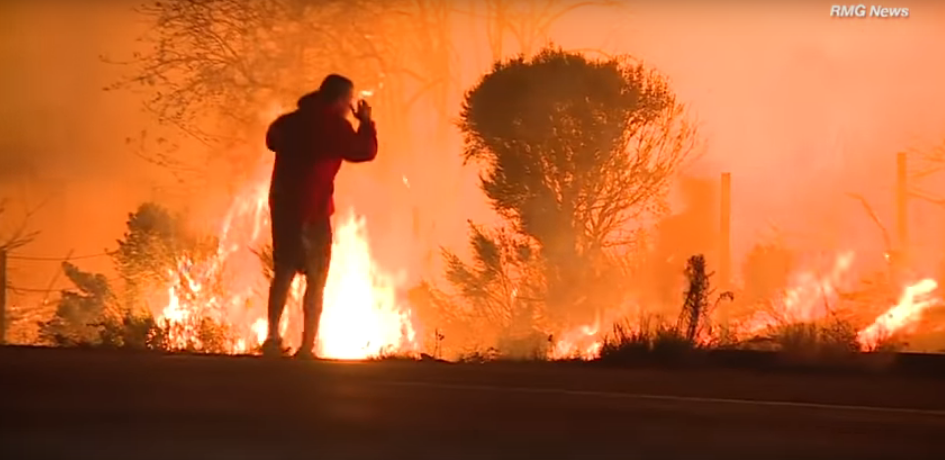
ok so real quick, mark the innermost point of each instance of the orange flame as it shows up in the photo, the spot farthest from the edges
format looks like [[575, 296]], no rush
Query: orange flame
[[579, 343], [807, 298], [362, 317], [904, 315]]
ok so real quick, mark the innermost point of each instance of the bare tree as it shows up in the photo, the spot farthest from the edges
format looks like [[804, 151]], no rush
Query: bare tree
[[932, 164], [434, 66], [527, 23], [210, 66], [16, 232], [887, 240]]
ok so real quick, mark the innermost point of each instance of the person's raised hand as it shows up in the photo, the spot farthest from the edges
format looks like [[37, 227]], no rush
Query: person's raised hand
[[363, 111]]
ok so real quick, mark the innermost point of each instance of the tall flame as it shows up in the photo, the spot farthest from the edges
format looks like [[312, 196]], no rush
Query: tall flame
[[807, 299], [905, 314], [362, 317]]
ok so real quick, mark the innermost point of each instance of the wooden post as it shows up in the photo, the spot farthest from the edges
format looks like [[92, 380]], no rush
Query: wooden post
[[725, 232], [902, 206], [3, 296]]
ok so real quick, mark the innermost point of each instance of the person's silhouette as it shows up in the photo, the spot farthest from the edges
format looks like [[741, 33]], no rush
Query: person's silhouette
[[310, 144]]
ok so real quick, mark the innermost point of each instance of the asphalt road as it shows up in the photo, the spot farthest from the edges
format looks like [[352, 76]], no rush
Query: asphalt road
[[63, 404]]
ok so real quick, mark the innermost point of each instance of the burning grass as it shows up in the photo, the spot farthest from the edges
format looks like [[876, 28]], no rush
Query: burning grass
[[831, 345], [208, 295], [806, 330], [196, 319], [212, 299]]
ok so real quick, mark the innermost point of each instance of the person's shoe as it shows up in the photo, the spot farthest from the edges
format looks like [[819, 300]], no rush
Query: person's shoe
[[305, 354], [273, 348]]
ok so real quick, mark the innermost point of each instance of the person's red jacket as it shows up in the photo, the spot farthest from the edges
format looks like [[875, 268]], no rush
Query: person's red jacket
[[310, 144]]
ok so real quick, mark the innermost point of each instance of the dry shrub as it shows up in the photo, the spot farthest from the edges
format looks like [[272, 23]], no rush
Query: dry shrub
[[886, 343], [533, 346], [826, 342], [133, 332], [626, 342], [653, 340], [200, 335], [391, 354], [480, 356]]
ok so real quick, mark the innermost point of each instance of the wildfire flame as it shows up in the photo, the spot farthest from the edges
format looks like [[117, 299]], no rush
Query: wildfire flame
[[806, 300], [582, 343], [904, 315], [362, 317]]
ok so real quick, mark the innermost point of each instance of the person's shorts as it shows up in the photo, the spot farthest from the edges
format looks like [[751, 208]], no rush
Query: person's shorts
[[306, 250]]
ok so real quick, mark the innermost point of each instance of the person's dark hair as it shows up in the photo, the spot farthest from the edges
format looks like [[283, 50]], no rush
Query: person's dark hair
[[333, 87]]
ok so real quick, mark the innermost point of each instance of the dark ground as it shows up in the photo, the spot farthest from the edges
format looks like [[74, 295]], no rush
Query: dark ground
[[75, 404]]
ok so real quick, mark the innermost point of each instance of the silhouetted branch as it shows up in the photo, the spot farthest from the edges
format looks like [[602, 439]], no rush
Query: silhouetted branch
[[528, 22], [20, 235], [925, 196], [210, 68], [887, 241]]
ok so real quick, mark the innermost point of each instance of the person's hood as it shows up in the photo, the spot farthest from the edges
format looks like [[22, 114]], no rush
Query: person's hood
[[310, 101]]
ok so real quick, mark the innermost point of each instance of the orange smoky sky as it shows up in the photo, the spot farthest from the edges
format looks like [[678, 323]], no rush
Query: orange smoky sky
[[801, 108]]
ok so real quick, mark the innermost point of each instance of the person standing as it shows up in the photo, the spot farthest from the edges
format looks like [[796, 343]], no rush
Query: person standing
[[310, 144]]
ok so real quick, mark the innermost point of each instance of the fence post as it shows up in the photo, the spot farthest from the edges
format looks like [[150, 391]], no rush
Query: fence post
[[725, 232], [3, 296], [902, 205]]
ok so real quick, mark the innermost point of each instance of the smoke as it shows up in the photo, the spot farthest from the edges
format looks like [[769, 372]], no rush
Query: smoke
[[801, 109], [61, 136]]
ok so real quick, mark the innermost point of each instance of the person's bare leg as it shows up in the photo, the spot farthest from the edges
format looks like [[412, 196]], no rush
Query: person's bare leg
[[278, 296], [317, 242], [312, 304]]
